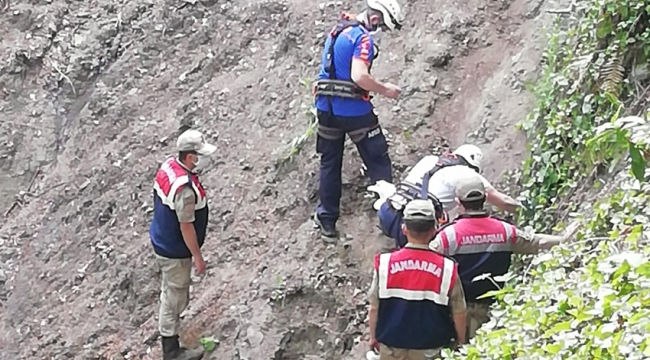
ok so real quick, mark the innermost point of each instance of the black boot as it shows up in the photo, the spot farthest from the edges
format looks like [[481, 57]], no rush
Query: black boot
[[173, 351], [329, 231]]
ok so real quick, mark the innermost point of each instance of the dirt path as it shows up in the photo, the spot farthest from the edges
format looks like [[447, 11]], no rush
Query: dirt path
[[90, 97]]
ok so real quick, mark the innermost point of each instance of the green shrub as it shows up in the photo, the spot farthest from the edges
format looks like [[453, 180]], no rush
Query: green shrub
[[589, 298], [583, 85]]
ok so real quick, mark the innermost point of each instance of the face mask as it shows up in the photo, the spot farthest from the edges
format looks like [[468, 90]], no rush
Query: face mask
[[376, 35], [363, 18], [201, 164]]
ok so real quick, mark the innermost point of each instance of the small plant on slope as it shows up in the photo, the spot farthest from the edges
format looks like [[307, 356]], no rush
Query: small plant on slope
[[297, 143]]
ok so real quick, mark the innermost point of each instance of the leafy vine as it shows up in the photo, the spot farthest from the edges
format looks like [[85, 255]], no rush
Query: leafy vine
[[583, 85], [588, 298]]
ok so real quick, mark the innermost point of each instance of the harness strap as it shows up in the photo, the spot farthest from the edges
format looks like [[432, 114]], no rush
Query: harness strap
[[330, 133], [339, 88], [343, 24], [424, 189], [410, 192], [406, 188], [424, 193], [359, 134], [445, 160]]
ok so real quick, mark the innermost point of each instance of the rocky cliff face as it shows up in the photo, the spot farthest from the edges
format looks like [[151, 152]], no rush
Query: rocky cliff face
[[91, 95]]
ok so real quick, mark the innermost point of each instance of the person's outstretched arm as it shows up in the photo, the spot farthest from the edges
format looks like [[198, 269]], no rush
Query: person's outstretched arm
[[501, 200], [529, 242]]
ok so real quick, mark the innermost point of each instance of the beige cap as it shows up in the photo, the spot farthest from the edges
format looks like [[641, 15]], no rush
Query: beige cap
[[419, 209], [470, 188], [193, 140]]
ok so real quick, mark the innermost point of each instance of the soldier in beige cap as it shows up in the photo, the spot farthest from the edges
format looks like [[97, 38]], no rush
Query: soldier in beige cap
[[177, 233], [417, 305], [482, 244]]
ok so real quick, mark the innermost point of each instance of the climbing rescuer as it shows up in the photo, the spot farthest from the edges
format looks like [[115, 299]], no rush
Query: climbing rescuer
[[435, 178], [417, 305], [342, 99], [177, 233], [484, 245]]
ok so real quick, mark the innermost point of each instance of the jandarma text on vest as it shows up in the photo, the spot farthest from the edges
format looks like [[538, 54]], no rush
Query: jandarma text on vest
[[418, 265], [482, 239]]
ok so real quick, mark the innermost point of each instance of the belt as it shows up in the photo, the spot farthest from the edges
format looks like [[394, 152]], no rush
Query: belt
[[340, 88]]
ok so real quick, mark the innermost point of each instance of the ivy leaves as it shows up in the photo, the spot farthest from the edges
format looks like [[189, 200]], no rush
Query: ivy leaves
[[588, 298], [623, 136], [582, 86], [600, 310]]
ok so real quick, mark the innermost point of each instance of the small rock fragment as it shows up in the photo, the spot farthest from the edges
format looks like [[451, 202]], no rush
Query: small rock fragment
[[253, 336]]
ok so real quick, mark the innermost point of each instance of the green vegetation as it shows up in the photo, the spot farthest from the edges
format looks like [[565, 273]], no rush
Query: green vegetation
[[208, 343], [583, 85], [297, 143], [590, 298]]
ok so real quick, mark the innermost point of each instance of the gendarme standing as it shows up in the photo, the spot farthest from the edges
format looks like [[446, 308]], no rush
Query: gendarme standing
[[177, 234]]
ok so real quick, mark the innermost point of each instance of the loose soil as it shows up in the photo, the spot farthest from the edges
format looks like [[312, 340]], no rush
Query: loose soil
[[91, 97]]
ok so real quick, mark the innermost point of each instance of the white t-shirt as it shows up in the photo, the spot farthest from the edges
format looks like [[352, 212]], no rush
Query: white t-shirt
[[443, 183]]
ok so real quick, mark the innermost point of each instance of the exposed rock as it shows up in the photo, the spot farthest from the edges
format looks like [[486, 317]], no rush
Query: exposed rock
[[94, 95], [438, 55]]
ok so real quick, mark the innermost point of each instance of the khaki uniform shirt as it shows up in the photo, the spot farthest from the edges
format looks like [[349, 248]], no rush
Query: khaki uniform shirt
[[184, 203], [456, 297]]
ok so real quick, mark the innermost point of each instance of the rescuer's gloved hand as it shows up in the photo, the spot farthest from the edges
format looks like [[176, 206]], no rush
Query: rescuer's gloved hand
[[525, 203]]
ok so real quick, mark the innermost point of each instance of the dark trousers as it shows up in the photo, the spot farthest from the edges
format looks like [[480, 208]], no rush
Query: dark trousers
[[390, 222], [366, 133]]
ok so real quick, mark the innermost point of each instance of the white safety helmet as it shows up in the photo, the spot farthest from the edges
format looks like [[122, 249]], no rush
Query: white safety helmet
[[391, 12], [472, 154]]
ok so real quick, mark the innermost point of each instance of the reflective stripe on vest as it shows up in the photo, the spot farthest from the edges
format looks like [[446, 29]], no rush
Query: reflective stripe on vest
[[494, 236], [171, 177], [415, 275]]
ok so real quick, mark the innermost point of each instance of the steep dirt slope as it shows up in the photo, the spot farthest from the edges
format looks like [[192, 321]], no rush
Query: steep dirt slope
[[91, 94]]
